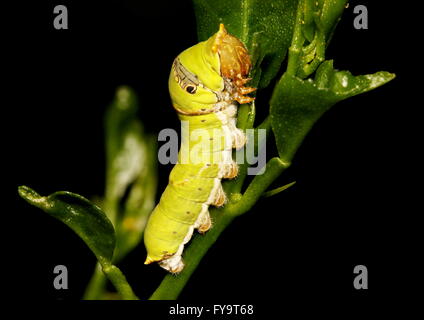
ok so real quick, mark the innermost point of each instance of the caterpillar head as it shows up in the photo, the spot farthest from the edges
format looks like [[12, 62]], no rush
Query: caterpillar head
[[211, 74]]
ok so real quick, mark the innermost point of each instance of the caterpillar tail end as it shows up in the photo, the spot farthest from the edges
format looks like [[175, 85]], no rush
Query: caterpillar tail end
[[149, 260]]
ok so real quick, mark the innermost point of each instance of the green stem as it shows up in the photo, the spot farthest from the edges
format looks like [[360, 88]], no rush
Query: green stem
[[298, 39], [110, 207], [96, 286], [277, 190], [118, 279]]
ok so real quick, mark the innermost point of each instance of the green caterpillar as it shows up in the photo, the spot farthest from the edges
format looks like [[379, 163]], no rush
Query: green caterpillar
[[204, 83]]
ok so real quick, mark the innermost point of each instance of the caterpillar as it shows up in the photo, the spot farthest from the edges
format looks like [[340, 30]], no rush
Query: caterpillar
[[205, 82]]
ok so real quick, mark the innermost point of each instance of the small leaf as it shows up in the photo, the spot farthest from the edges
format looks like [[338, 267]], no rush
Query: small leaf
[[330, 14], [131, 170], [277, 190], [297, 104], [265, 27], [83, 217], [124, 147], [315, 23]]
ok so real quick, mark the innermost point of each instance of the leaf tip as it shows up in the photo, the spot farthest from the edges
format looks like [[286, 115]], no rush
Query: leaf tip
[[277, 190], [379, 78], [33, 198], [29, 194], [124, 97]]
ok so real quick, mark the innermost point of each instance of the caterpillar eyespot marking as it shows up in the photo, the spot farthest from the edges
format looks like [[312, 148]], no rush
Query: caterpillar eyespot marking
[[205, 82], [191, 89]]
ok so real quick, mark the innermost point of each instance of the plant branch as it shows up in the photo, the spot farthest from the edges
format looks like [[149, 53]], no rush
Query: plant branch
[[235, 186], [172, 285], [277, 190], [257, 187]]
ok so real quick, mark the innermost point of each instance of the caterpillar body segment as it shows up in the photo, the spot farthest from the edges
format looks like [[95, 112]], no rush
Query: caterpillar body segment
[[205, 82]]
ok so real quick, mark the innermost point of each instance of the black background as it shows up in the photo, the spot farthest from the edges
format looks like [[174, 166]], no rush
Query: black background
[[351, 204]]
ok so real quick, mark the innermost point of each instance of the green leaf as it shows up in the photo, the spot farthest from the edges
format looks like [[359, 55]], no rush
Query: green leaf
[[83, 217], [118, 279], [140, 202], [131, 170], [126, 149], [119, 115], [127, 162], [265, 27], [297, 104]]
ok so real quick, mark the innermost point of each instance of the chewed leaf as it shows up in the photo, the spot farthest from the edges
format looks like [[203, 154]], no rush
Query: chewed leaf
[[297, 104], [83, 217]]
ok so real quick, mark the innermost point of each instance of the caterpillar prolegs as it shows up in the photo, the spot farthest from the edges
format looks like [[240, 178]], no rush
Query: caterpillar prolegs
[[204, 83]]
